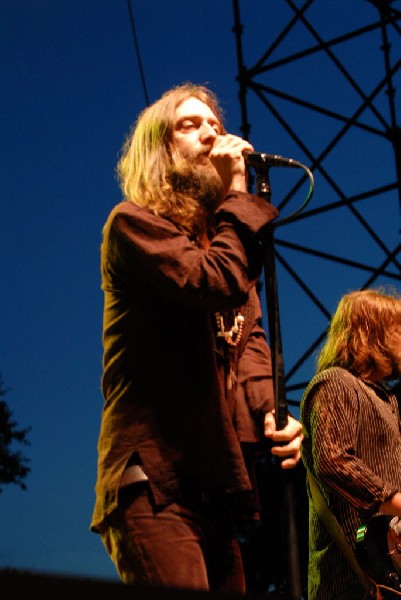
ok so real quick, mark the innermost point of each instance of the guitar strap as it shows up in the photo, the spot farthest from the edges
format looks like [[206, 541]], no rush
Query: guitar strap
[[333, 527]]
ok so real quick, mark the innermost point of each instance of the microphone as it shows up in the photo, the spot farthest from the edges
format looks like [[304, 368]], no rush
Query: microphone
[[260, 159]]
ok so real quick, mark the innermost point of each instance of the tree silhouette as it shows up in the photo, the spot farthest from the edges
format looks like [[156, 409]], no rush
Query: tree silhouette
[[13, 464]]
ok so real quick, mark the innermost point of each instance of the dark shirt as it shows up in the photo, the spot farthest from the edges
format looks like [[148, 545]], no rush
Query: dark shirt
[[352, 447], [164, 379]]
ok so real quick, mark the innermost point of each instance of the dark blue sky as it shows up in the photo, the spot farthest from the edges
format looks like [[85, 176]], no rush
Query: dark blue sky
[[70, 90]]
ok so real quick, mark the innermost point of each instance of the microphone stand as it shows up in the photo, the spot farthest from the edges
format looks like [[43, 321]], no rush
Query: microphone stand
[[290, 538]]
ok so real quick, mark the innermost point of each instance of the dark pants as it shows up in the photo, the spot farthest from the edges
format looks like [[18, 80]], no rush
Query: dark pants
[[189, 545]]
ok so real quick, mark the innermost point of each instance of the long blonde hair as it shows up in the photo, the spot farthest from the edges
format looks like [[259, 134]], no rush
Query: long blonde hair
[[361, 333], [146, 160]]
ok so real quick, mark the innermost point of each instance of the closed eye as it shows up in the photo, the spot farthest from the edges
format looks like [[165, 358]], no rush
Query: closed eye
[[195, 122], [188, 124]]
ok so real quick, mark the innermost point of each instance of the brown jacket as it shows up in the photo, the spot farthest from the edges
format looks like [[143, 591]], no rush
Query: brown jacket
[[163, 382]]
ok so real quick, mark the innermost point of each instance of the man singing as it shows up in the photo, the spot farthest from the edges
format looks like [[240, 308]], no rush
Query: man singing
[[187, 371]]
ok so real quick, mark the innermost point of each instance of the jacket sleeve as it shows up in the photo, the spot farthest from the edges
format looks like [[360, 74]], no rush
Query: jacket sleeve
[[141, 248], [330, 415]]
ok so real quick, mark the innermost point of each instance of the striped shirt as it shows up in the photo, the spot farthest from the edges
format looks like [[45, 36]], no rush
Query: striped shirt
[[352, 447]]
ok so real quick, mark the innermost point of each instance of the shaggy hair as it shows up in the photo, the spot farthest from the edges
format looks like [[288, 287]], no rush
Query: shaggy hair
[[147, 163], [362, 336]]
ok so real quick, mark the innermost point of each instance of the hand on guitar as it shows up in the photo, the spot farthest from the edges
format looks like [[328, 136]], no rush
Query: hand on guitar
[[378, 550], [395, 525], [290, 452], [394, 542], [392, 506]]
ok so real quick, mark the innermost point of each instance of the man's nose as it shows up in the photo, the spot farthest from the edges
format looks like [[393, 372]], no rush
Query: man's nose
[[208, 133]]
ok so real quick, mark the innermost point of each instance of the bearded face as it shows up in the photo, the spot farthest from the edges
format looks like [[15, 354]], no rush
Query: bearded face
[[197, 178]]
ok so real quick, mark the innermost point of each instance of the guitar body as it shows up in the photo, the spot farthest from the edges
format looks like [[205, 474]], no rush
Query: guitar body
[[378, 550]]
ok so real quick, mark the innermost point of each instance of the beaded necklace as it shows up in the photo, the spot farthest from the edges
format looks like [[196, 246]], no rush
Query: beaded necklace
[[233, 335], [229, 327]]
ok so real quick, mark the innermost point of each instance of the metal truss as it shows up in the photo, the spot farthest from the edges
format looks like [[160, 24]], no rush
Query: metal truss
[[327, 76]]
